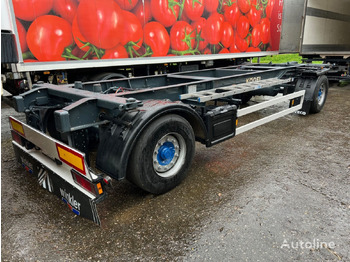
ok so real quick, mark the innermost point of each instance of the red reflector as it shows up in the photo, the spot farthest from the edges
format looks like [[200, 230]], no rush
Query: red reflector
[[106, 181], [16, 137], [83, 182]]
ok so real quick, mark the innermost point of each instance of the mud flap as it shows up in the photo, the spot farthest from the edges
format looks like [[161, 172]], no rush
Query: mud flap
[[305, 106], [76, 199], [309, 85]]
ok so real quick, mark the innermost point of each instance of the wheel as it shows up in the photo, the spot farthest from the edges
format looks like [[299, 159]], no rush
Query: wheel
[[107, 76], [320, 95], [244, 98], [162, 155]]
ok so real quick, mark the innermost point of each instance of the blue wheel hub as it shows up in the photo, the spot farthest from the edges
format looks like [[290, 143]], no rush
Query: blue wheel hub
[[321, 95], [166, 153], [320, 92]]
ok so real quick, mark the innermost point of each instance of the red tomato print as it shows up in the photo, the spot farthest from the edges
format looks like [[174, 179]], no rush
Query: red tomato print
[[224, 51], [165, 12], [199, 27], [55, 35], [118, 51], [182, 36], [243, 27], [234, 49], [244, 5], [126, 4], [67, 9], [269, 8], [28, 10], [22, 34], [157, 38], [132, 30], [241, 43], [227, 35], [211, 5], [213, 29], [265, 31], [256, 36], [100, 22], [111, 29], [143, 11], [254, 16], [194, 9], [232, 14], [78, 37], [253, 49]]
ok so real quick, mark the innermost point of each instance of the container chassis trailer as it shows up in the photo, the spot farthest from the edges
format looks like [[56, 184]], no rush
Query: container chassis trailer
[[144, 129]]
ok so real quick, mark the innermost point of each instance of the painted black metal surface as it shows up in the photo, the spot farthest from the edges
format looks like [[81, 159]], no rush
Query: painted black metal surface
[[8, 48]]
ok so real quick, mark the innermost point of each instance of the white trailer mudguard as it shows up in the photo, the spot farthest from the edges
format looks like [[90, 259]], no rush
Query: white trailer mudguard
[[59, 168]]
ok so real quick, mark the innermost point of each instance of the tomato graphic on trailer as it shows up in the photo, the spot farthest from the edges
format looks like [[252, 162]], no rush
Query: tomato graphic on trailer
[[100, 22], [227, 35], [22, 34], [29, 10], [182, 37], [194, 9], [213, 29], [67, 9], [232, 14], [48, 36], [127, 4], [118, 51], [157, 38], [131, 36], [165, 12], [143, 11], [114, 29]]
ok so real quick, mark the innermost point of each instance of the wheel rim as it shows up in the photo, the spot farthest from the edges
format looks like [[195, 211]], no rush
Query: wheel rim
[[169, 155], [321, 95]]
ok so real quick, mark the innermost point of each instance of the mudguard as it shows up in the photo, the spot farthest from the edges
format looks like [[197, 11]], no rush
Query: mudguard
[[119, 138], [309, 85]]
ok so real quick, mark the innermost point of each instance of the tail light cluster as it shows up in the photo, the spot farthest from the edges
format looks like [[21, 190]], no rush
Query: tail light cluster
[[93, 188]]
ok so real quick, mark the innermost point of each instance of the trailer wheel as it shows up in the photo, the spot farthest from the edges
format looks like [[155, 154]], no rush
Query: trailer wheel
[[162, 155], [107, 76], [244, 98], [320, 95]]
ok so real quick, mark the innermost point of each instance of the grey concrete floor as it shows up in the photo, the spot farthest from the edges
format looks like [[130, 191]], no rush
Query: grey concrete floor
[[280, 192]]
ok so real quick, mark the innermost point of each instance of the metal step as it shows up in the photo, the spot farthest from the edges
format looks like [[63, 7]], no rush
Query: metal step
[[220, 92]]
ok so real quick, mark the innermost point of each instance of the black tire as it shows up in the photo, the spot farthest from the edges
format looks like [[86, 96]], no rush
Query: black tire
[[107, 76], [320, 95], [245, 98], [162, 155]]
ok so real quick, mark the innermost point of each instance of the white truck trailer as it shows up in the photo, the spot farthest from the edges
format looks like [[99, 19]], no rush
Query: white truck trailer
[[90, 49]]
